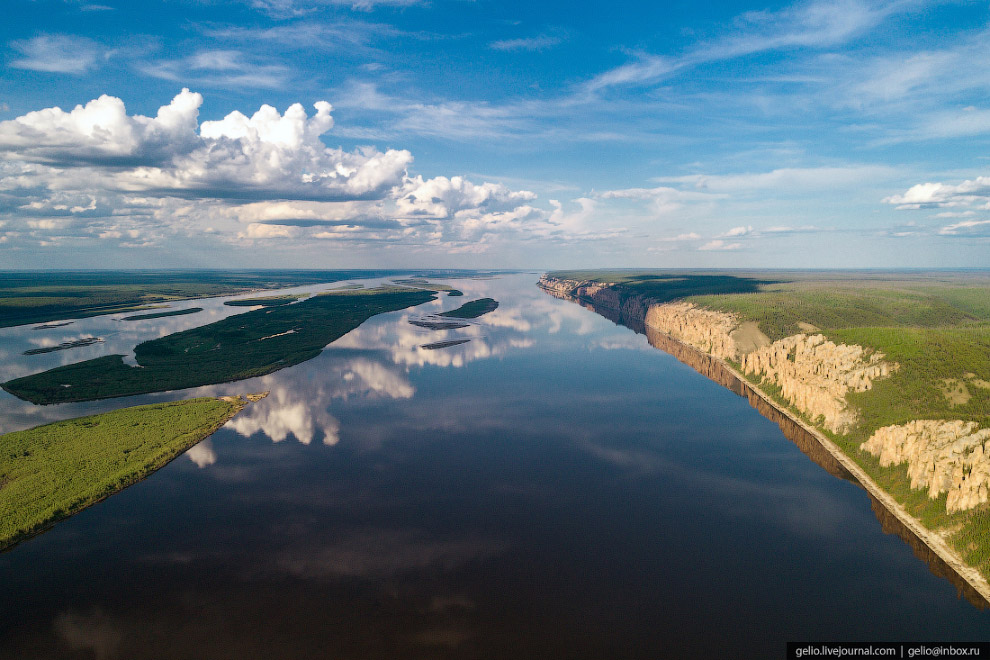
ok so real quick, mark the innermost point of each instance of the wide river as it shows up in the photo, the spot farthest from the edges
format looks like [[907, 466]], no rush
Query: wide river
[[553, 488]]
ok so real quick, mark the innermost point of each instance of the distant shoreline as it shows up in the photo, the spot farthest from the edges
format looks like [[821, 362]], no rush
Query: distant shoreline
[[979, 589]]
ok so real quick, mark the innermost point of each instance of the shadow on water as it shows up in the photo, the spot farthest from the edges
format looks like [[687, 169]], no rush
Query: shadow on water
[[808, 444]]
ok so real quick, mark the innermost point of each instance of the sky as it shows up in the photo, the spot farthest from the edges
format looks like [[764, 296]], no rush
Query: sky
[[494, 134]]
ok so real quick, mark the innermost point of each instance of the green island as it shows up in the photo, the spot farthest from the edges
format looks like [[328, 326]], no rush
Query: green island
[[444, 344], [935, 330], [437, 325], [65, 345], [51, 472], [266, 301], [472, 309], [243, 346], [39, 296], [420, 283], [161, 315]]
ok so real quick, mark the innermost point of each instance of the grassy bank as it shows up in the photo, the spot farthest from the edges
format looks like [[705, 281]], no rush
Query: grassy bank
[[243, 346], [50, 472]]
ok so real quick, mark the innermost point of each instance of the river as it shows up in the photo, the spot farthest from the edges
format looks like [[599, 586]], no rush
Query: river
[[555, 487]]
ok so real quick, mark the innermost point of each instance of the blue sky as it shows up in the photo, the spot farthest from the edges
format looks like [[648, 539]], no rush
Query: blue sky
[[324, 133]]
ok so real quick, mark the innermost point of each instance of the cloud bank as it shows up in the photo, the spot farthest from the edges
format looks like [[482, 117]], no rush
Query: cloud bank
[[98, 172]]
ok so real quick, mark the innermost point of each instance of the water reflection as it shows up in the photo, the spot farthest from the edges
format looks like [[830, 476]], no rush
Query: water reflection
[[120, 337], [805, 441], [568, 493], [374, 554], [202, 454], [91, 631]]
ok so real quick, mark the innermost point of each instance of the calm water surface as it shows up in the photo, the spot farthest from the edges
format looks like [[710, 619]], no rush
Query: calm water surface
[[554, 488]]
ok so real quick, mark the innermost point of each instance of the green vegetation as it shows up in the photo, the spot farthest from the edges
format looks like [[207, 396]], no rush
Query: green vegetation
[[664, 286], [159, 315], [420, 283], [926, 356], [85, 341], [268, 301], [780, 308], [51, 472], [437, 325], [38, 296], [936, 328], [243, 346], [473, 309], [444, 344]]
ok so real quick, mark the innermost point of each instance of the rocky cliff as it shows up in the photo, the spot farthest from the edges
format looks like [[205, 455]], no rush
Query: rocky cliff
[[943, 456], [813, 374], [602, 295], [703, 329]]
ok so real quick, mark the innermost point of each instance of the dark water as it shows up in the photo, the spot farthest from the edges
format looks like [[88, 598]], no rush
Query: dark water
[[554, 488]]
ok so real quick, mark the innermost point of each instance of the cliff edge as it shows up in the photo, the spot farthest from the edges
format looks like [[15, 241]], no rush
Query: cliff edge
[[814, 375]]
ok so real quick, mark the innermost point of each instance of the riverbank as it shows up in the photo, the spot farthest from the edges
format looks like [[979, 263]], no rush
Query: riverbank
[[928, 544], [51, 472]]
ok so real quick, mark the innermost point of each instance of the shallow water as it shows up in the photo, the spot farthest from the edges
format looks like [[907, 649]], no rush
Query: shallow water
[[554, 487]]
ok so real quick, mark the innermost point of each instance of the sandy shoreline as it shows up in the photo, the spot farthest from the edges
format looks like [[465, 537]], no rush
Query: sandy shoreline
[[930, 539]]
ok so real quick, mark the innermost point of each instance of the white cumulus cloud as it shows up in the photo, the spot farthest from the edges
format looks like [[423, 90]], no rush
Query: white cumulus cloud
[[267, 155], [101, 132], [719, 244], [925, 195], [441, 197], [245, 178]]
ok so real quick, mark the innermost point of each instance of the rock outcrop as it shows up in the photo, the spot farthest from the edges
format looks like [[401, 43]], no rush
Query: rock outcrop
[[815, 375], [704, 329], [943, 456], [602, 295]]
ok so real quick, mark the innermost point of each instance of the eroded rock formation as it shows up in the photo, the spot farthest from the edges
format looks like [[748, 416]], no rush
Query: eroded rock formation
[[703, 329], [815, 375], [943, 456]]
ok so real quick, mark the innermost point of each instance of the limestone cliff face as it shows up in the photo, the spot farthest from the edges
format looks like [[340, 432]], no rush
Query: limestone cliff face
[[945, 457], [703, 329], [815, 375], [600, 294]]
